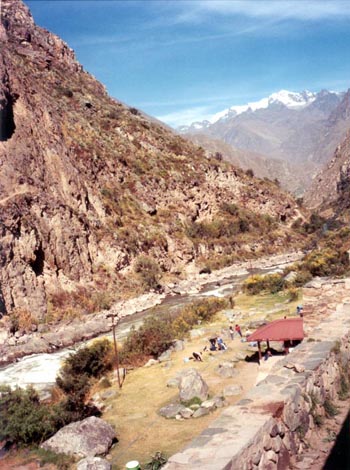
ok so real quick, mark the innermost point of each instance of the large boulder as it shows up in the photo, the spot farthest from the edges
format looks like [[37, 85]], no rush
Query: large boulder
[[170, 411], [226, 369], [87, 438], [192, 385], [93, 463]]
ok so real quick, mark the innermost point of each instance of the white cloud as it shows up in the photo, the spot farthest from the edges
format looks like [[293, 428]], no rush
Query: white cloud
[[186, 116], [304, 10]]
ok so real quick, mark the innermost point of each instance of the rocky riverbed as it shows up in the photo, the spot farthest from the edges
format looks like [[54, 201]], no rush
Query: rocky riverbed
[[49, 338]]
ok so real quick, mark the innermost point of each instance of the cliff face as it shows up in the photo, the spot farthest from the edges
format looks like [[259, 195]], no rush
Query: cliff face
[[87, 185], [330, 185]]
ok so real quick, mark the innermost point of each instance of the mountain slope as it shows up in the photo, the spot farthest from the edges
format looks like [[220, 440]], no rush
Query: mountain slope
[[327, 185], [298, 128], [262, 166], [89, 187]]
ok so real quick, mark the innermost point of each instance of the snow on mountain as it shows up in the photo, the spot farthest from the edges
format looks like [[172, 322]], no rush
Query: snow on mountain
[[290, 99]]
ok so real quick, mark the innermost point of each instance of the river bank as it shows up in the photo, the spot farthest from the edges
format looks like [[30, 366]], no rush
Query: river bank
[[51, 338]]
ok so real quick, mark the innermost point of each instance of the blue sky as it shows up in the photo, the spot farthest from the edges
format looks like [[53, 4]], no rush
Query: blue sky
[[183, 61]]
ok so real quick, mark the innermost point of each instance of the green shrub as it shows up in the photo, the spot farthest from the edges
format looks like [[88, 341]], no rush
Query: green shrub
[[156, 334], [302, 278], [293, 293], [344, 387], [24, 420], [326, 262], [330, 409], [193, 401], [149, 272], [151, 339], [60, 461], [270, 283], [88, 362], [230, 208]]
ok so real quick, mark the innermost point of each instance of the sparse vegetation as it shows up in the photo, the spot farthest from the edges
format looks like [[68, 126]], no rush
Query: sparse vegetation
[[157, 334], [148, 271], [330, 409]]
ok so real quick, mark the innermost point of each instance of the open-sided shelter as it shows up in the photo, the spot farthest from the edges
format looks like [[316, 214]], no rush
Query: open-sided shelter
[[286, 329]]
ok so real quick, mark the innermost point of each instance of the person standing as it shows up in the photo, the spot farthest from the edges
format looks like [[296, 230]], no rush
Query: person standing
[[238, 330], [232, 332]]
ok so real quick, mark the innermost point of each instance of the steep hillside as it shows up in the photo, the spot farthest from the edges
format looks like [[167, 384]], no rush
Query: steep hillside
[[329, 184], [330, 189], [262, 166], [89, 187]]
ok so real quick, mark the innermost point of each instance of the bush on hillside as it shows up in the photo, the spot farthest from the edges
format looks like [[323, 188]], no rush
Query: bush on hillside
[[269, 283], [75, 377], [157, 334], [326, 262], [148, 271], [80, 367], [24, 420], [153, 337]]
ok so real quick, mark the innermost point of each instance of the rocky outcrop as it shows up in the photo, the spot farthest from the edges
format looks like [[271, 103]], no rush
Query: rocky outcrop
[[191, 385], [88, 185], [330, 187], [86, 438], [274, 424]]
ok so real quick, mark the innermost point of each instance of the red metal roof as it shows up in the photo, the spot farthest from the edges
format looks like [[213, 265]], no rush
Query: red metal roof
[[279, 330]]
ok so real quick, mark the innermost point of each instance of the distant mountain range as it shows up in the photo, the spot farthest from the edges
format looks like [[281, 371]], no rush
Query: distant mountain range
[[302, 129]]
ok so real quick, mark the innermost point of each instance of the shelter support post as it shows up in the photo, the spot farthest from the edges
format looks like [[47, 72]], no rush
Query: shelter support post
[[259, 348]]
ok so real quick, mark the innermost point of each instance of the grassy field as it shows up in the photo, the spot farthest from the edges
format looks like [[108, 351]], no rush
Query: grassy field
[[134, 411]]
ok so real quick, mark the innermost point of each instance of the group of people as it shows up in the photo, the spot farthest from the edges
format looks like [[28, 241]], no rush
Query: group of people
[[216, 343], [236, 330]]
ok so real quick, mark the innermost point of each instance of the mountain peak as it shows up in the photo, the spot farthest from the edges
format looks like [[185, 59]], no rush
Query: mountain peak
[[290, 99]]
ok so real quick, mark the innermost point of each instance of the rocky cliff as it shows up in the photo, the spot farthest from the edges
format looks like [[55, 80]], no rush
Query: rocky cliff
[[330, 186], [88, 185]]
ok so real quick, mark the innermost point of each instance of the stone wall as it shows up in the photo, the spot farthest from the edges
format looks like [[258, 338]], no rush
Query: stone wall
[[276, 419]]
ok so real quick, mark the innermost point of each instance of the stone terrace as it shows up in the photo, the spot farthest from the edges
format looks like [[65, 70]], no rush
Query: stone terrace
[[269, 427]]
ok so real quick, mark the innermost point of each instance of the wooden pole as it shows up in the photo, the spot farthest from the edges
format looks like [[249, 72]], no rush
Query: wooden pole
[[268, 344], [259, 348], [116, 352]]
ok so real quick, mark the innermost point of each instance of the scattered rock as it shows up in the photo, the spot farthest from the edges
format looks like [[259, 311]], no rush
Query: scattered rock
[[165, 356], [151, 362], [226, 369], [93, 463], [209, 404], [291, 276], [192, 385], [232, 390], [201, 412], [178, 345], [186, 413], [170, 411], [173, 383], [87, 438], [197, 333], [108, 394]]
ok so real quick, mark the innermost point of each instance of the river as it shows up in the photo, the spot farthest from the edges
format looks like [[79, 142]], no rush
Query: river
[[40, 370]]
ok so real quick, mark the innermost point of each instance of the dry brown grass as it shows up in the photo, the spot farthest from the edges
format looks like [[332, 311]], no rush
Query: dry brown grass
[[134, 412]]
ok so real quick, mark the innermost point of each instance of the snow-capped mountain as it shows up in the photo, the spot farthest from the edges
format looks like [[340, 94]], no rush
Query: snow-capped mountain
[[290, 99], [298, 128]]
